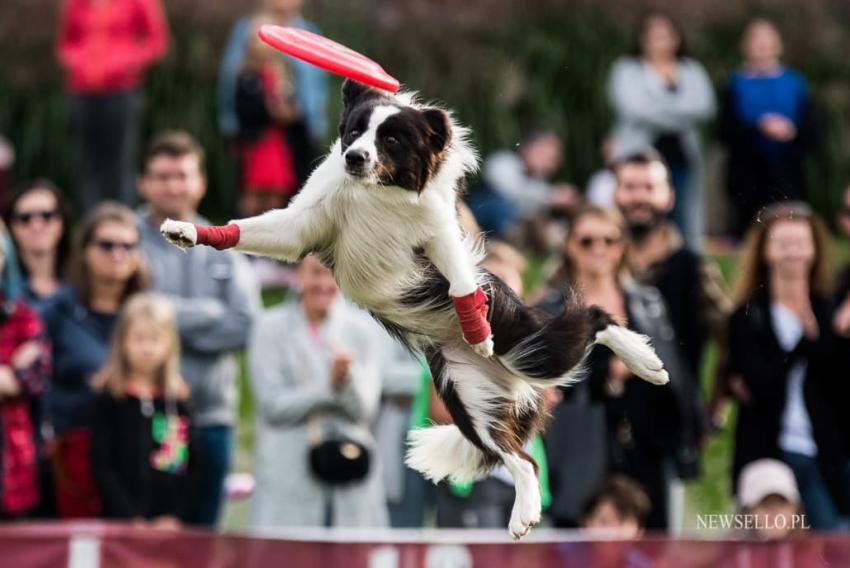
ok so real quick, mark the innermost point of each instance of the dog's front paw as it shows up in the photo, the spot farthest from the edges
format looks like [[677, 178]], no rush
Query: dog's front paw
[[179, 233], [485, 348]]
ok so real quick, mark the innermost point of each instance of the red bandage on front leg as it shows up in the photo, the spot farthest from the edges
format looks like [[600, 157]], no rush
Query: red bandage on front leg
[[218, 237], [472, 314]]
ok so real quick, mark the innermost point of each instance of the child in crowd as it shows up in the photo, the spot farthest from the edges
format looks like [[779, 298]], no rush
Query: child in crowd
[[618, 509], [142, 450], [265, 104]]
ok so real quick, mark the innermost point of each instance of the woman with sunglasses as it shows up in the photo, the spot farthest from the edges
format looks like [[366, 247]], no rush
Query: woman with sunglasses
[[646, 429], [783, 366], [38, 221], [106, 268]]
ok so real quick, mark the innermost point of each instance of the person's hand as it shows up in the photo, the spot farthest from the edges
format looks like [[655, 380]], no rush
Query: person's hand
[[9, 385], [618, 374], [803, 310], [26, 355], [739, 389], [564, 197], [166, 523], [777, 127], [841, 320], [339, 368]]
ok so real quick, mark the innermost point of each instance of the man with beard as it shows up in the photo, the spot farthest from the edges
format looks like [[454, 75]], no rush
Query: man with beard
[[656, 256]]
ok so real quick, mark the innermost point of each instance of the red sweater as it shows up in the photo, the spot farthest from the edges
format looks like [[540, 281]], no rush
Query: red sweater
[[105, 45]]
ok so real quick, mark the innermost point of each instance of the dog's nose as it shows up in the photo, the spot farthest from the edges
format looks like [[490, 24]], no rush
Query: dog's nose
[[356, 158]]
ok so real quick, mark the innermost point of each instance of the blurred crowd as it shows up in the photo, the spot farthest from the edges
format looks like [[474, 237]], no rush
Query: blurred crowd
[[118, 353]]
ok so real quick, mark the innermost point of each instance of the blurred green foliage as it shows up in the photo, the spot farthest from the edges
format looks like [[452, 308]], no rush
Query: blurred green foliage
[[500, 64]]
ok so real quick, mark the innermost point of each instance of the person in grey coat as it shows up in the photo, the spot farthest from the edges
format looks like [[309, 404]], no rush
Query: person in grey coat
[[216, 298], [660, 98], [315, 368]]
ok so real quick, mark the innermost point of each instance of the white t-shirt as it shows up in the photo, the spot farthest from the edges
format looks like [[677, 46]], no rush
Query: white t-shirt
[[795, 435]]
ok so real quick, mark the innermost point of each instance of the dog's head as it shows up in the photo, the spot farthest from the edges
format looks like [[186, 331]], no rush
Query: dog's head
[[386, 142]]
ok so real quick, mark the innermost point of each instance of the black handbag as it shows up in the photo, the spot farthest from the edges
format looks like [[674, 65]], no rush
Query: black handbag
[[336, 459]]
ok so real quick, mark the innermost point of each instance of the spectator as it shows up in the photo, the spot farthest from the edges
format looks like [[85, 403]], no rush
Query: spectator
[[104, 47], [216, 299], [105, 270], [783, 357], [38, 218], [265, 104], [660, 96], [768, 491], [690, 284], [618, 508], [309, 130], [767, 124], [317, 392], [517, 197], [142, 451], [24, 367], [649, 427]]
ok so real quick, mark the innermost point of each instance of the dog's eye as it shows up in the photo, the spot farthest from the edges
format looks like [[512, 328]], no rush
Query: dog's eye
[[391, 140], [352, 134]]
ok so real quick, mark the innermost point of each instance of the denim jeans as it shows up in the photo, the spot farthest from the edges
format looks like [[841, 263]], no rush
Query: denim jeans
[[215, 444], [820, 511]]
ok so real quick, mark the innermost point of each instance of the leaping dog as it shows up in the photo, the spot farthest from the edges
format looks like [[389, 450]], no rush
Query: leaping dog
[[380, 211]]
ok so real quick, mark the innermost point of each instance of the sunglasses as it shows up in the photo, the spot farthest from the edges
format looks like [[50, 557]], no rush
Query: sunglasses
[[109, 246], [588, 242], [844, 211], [27, 217]]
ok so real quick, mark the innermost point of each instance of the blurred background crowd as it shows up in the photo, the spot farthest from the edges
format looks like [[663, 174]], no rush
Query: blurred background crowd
[[712, 216]]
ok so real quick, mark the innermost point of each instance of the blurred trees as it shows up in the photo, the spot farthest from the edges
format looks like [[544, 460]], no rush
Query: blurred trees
[[500, 64]]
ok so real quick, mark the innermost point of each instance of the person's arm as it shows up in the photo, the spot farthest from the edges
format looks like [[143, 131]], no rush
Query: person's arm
[[697, 102], [113, 493], [238, 308], [281, 397], [150, 39], [634, 102], [70, 41], [504, 173], [360, 395], [759, 372], [715, 304], [228, 74]]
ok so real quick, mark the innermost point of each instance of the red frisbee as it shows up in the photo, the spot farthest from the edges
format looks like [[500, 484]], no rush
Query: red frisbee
[[329, 55]]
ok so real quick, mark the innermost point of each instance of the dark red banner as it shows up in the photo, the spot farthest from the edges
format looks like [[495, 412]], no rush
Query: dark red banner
[[94, 545]]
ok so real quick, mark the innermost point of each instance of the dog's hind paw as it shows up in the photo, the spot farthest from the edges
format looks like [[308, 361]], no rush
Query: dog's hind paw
[[485, 348], [179, 233]]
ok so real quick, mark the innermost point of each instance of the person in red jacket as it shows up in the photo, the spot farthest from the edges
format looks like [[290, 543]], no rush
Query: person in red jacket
[[105, 47]]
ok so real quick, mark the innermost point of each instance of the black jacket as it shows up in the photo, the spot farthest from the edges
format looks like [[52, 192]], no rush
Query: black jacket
[[756, 356], [125, 446]]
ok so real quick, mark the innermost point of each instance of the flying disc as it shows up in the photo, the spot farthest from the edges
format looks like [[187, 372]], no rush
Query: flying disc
[[328, 54]]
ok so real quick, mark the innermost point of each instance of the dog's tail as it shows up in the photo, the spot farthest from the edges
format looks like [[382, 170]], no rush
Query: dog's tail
[[440, 452], [555, 352]]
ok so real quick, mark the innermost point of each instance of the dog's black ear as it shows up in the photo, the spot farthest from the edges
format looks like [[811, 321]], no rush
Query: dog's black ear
[[440, 128], [352, 91]]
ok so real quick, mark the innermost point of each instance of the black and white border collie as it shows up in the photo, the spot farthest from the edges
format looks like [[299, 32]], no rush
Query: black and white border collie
[[380, 211]]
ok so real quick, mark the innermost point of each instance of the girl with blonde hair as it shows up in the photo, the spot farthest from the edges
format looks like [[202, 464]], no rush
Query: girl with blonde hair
[[141, 444]]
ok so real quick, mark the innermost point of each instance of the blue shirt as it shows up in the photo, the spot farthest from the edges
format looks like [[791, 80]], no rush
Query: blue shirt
[[311, 89], [783, 93]]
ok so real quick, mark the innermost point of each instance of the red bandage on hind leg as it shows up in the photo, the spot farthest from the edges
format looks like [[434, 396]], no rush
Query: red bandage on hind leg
[[218, 237], [472, 314]]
